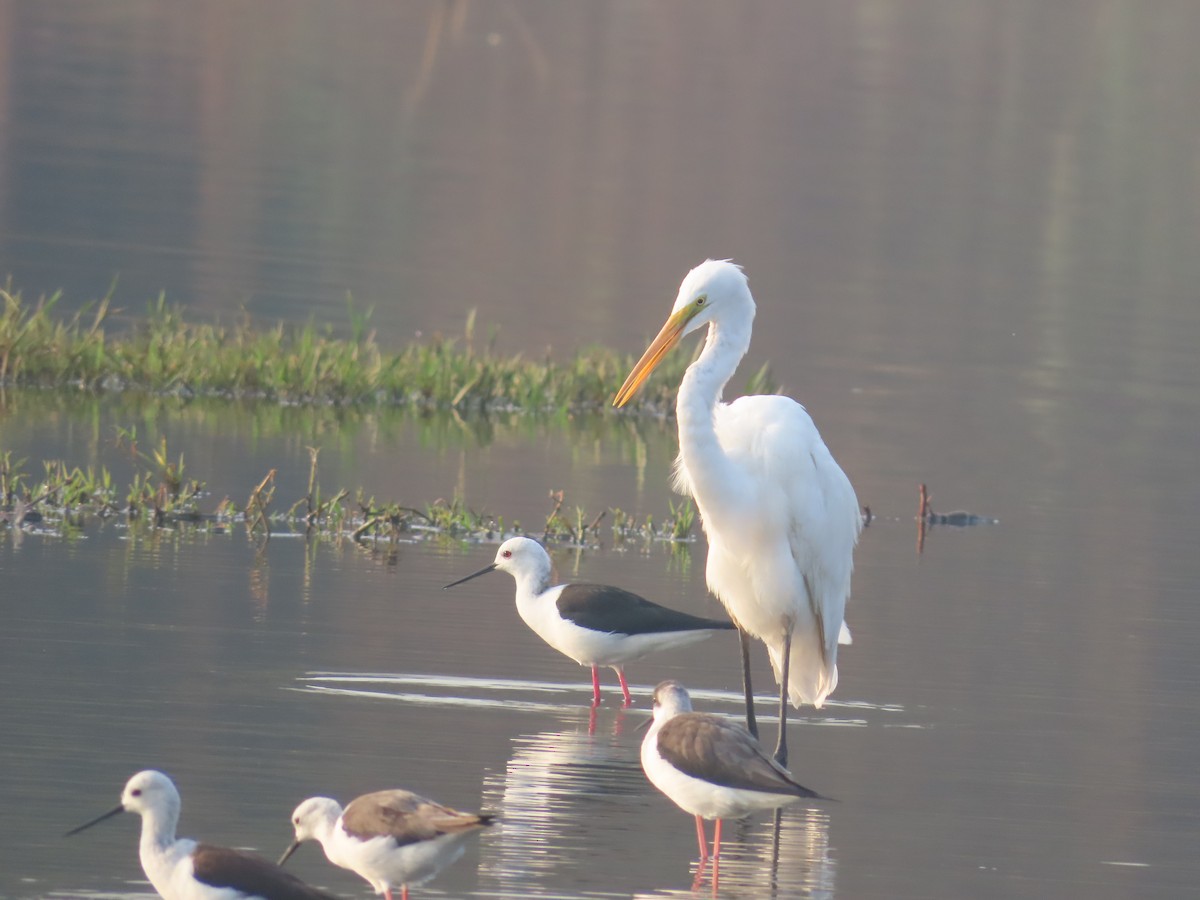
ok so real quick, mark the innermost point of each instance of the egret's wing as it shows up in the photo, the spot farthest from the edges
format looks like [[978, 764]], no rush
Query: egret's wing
[[803, 493]]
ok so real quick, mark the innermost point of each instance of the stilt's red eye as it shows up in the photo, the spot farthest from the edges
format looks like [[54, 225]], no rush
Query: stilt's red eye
[[136, 792], [507, 554]]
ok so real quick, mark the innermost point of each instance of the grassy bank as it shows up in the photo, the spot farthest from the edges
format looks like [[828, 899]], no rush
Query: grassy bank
[[164, 352], [164, 494]]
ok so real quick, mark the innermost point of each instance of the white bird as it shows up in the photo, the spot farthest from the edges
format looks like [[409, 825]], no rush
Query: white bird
[[391, 838], [594, 624], [780, 515], [181, 869], [711, 767]]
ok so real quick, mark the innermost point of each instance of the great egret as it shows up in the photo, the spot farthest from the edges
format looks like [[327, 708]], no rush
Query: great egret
[[780, 514], [185, 870], [391, 838], [594, 624], [711, 767]]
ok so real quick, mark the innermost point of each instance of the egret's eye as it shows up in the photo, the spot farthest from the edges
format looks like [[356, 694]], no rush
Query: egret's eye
[[507, 554], [700, 300]]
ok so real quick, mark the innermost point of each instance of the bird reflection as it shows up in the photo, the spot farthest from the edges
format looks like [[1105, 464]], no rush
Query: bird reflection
[[782, 856], [561, 792]]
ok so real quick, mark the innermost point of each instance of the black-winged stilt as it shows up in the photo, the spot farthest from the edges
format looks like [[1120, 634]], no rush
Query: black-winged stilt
[[182, 869], [391, 838], [711, 766], [594, 624]]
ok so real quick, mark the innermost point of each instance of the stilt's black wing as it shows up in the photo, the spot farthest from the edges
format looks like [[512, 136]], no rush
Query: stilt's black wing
[[599, 607], [223, 867]]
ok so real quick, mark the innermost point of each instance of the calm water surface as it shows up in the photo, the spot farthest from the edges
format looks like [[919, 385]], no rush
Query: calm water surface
[[972, 230]]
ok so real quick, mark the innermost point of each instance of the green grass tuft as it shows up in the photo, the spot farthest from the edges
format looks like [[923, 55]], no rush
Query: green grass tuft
[[166, 353]]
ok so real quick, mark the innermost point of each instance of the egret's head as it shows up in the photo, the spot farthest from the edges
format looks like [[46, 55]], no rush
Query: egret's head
[[713, 288], [311, 819], [716, 289]]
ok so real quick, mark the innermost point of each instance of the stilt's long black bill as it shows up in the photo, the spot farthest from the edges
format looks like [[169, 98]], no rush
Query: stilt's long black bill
[[96, 821], [292, 848], [483, 571]]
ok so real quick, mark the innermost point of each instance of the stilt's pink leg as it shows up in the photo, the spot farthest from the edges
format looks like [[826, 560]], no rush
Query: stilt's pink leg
[[699, 879], [624, 685], [716, 857], [592, 720], [595, 686], [702, 839], [387, 893], [404, 893], [700, 876]]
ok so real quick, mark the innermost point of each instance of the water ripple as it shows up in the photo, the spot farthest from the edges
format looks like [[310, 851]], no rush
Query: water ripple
[[502, 693]]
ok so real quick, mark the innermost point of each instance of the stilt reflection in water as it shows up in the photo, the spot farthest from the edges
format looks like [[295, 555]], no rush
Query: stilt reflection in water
[[786, 856], [562, 794]]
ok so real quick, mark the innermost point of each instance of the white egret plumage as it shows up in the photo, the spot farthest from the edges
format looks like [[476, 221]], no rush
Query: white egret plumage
[[780, 515]]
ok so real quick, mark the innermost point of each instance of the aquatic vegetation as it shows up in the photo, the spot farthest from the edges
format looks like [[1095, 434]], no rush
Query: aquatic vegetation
[[301, 380], [165, 352], [160, 495]]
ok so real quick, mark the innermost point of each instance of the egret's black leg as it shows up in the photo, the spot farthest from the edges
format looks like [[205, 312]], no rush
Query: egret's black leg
[[781, 747], [751, 721]]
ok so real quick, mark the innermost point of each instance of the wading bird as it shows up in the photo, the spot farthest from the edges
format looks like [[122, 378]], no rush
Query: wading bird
[[391, 838], [181, 869], [711, 767], [594, 624], [780, 514]]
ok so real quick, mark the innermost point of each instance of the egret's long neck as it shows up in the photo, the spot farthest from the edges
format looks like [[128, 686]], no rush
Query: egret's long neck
[[700, 392]]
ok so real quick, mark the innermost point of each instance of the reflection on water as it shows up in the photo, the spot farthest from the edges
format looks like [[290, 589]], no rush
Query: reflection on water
[[555, 791], [566, 793], [512, 694], [777, 856]]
